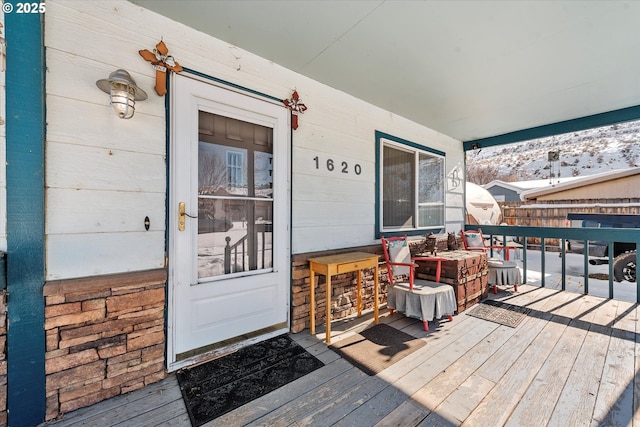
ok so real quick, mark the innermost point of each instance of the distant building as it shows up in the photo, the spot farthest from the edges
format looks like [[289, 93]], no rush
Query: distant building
[[616, 191], [616, 186]]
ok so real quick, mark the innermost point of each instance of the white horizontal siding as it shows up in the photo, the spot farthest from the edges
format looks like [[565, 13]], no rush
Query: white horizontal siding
[[75, 122], [83, 167], [114, 171], [93, 254], [334, 187], [104, 175], [325, 238], [100, 211]]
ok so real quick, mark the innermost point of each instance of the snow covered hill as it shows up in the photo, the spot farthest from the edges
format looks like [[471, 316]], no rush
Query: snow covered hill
[[581, 153]]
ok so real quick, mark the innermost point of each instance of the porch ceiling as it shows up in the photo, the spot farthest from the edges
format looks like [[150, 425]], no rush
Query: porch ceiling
[[468, 69]]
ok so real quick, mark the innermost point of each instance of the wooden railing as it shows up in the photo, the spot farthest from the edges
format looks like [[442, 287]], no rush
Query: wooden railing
[[562, 235], [229, 249], [239, 251]]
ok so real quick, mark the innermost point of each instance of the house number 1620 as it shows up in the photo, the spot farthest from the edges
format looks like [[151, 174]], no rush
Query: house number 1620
[[333, 166]]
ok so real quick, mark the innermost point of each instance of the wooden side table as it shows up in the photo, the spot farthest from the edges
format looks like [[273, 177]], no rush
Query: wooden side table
[[338, 264]]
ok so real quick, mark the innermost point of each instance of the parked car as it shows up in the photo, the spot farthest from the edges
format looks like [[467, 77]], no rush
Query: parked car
[[624, 261]]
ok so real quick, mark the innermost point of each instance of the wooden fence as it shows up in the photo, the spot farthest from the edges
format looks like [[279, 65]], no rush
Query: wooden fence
[[555, 214]]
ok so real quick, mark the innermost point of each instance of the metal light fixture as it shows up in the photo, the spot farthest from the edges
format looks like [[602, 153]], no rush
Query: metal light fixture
[[123, 93]]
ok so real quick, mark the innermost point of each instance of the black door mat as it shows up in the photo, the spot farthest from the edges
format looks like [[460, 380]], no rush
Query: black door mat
[[222, 385], [376, 348], [500, 312]]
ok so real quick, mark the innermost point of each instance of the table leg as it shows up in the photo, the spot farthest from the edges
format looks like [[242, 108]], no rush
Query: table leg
[[359, 293], [312, 285], [375, 293], [328, 334]]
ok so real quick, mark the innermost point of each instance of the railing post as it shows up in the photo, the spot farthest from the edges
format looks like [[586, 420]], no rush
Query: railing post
[[637, 280], [244, 255], [611, 270], [542, 256], [564, 264], [586, 266], [524, 260], [263, 248], [227, 256]]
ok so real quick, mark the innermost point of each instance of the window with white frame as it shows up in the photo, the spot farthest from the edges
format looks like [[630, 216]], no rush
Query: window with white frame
[[411, 184], [235, 169]]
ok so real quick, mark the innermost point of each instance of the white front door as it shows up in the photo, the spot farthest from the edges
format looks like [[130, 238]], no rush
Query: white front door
[[229, 245]]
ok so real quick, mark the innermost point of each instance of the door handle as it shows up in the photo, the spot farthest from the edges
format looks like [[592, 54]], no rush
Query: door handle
[[181, 216]]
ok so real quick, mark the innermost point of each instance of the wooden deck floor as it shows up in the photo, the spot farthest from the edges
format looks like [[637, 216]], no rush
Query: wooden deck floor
[[572, 362]]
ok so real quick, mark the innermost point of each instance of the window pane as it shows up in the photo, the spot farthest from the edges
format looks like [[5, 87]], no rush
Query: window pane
[[398, 177], [430, 191], [263, 171], [235, 197], [217, 220], [228, 242], [264, 234], [236, 172], [430, 216], [430, 176], [221, 172]]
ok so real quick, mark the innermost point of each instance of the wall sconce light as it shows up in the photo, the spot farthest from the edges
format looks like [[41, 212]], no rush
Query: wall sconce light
[[123, 93]]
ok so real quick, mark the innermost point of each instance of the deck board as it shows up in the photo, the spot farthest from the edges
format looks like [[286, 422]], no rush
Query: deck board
[[614, 403], [538, 402], [577, 400], [528, 348], [572, 361]]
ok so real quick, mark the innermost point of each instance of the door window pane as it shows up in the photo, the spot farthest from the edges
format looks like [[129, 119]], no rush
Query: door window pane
[[235, 205]]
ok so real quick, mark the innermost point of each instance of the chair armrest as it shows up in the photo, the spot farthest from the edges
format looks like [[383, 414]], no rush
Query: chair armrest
[[505, 248], [404, 264]]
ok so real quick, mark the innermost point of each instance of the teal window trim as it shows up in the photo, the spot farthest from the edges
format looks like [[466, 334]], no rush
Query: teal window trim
[[588, 122], [379, 137], [25, 136]]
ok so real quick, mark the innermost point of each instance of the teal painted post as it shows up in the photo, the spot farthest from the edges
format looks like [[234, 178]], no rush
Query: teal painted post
[[542, 261], [637, 280], [524, 260], [586, 267], [26, 395], [564, 264], [610, 270]]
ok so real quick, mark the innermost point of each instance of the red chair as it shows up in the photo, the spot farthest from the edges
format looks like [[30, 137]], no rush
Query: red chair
[[423, 299], [473, 240]]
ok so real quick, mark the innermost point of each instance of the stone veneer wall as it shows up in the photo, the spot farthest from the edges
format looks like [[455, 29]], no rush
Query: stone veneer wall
[[344, 293], [104, 337]]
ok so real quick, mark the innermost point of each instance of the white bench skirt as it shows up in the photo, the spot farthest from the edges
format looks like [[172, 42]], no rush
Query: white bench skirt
[[427, 301], [504, 273]]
